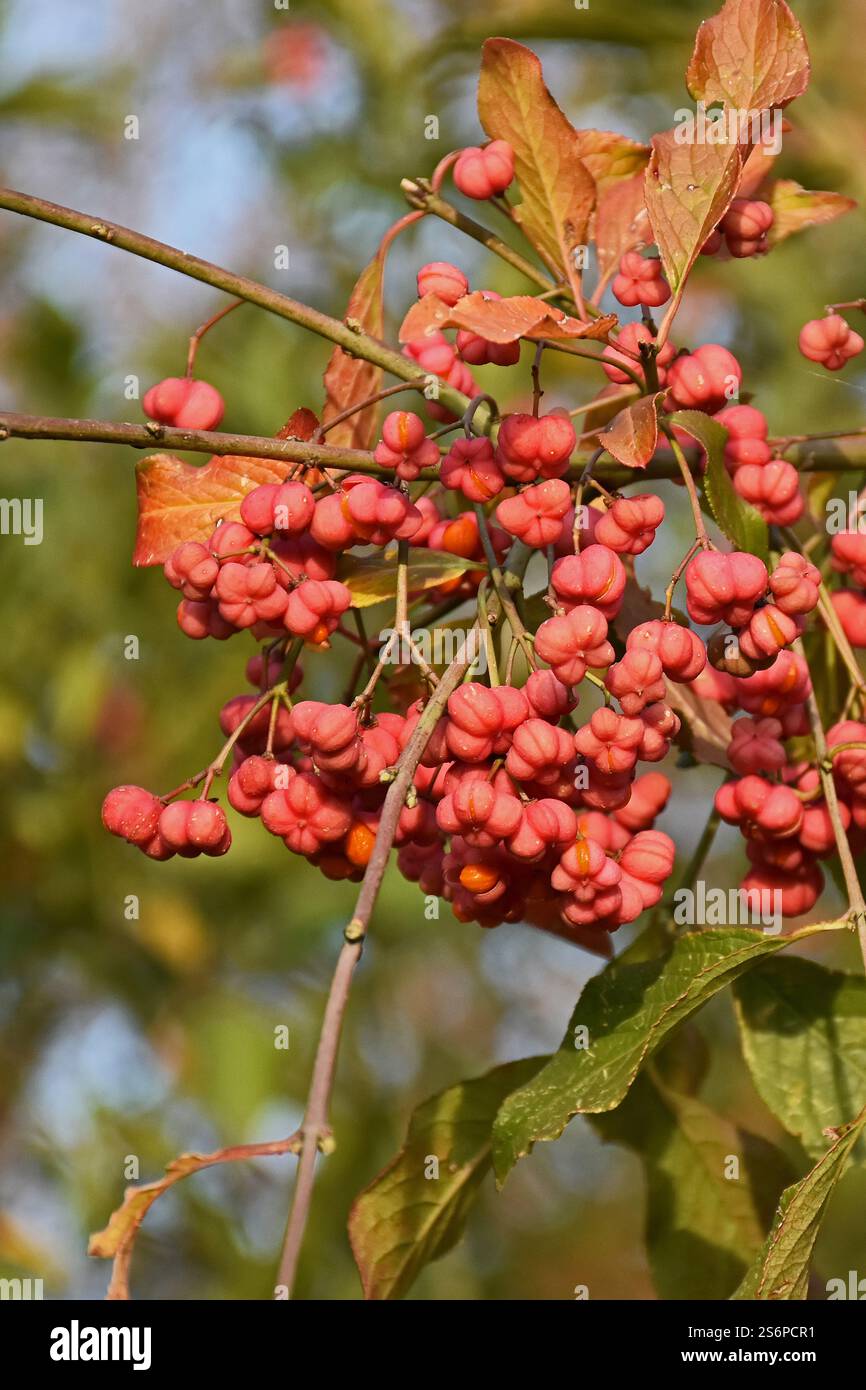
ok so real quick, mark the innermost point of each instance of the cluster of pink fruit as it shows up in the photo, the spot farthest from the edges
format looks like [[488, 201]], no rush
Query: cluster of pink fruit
[[519, 810], [777, 800], [848, 556], [514, 813]]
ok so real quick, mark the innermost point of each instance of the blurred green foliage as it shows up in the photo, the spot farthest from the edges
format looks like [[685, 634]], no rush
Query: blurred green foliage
[[148, 1037]]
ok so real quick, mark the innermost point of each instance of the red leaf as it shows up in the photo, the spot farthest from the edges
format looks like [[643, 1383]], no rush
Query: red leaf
[[752, 55], [500, 320], [181, 502], [302, 424], [633, 433], [351, 379]]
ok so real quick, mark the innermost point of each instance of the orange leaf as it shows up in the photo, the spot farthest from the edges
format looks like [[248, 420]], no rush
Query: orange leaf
[[180, 502], [500, 320], [633, 433], [758, 163], [752, 55], [689, 187], [795, 208], [351, 379], [557, 190], [183, 502], [621, 222], [124, 1222], [610, 158]]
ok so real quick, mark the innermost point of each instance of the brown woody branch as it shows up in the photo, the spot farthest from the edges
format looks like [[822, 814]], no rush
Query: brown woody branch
[[14, 425], [347, 335]]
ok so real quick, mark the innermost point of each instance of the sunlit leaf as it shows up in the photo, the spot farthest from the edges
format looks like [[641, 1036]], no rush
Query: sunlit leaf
[[611, 158], [500, 320], [621, 222], [181, 502], [795, 209], [372, 578], [557, 191], [689, 187], [632, 435], [349, 380], [752, 55]]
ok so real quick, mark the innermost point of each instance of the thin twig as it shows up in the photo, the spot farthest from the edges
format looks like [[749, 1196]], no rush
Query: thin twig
[[350, 337], [701, 536], [856, 903], [117, 1241], [204, 328], [419, 195], [314, 1128], [15, 425]]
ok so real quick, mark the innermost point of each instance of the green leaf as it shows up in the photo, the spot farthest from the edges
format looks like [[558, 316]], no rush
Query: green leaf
[[739, 520], [405, 1219], [704, 1219], [626, 1010], [803, 1030], [781, 1270], [372, 578]]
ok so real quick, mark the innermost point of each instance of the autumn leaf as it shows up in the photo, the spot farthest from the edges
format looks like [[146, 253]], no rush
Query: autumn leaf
[[301, 424], [500, 320], [124, 1222], [349, 380], [116, 1240], [372, 578], [752, 55], [689, 188], [611, 159], [621, 223], [180, 502], [795, 208], [758, 163], [706, 724], [633, 434], [557, 190]]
